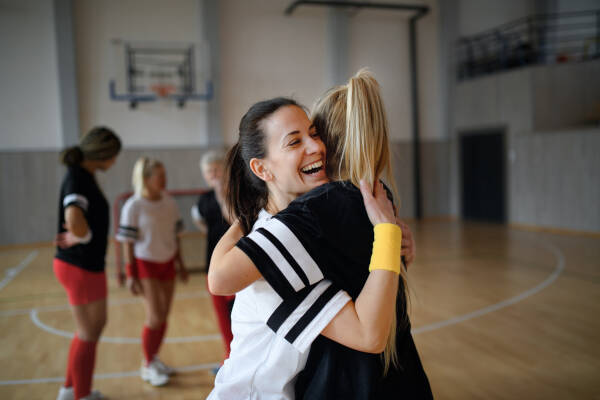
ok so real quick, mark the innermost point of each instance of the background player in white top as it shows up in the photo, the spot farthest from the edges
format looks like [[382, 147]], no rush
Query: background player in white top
[[149, 224]]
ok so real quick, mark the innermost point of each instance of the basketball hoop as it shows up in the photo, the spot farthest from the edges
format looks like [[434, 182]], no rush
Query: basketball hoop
[[163, 90]]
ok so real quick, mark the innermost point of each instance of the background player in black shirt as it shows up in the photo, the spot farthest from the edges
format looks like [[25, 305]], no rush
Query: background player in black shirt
[[210, 215], [81, 249]]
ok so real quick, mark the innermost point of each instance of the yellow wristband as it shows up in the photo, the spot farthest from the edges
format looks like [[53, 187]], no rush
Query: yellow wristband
[[386, 248]]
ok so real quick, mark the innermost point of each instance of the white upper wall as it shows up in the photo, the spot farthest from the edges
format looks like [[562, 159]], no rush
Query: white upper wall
[[380, 40], [29, 99], [265, 54], [151, 124]]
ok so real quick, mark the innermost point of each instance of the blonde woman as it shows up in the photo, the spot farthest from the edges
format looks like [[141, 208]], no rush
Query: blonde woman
[[278, 156], [149, 225], [81, 250], [354, 126]]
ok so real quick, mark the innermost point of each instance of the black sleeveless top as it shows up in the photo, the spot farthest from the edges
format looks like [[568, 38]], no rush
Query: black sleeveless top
[[79, 189]]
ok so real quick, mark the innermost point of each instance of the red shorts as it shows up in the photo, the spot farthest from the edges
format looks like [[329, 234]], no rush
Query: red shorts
[[82, 286], [161, 271]]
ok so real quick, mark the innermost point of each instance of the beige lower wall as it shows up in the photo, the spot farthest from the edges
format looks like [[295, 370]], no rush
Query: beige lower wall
[[30, 184], [30, 181]]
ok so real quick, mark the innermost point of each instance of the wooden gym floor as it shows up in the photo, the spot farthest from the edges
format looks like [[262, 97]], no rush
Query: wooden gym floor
[[497, 313]]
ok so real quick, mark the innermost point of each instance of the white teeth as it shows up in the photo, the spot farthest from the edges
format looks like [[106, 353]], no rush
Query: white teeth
[[312, 166]]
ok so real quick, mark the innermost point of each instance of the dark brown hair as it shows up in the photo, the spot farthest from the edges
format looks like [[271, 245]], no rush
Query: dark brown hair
[[101, 143], [246, 193]]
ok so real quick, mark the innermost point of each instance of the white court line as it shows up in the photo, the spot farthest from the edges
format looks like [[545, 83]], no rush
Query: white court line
[[120, 340], [24, 311], [33, 314], [11, 273], [189, 368], [560, 266]]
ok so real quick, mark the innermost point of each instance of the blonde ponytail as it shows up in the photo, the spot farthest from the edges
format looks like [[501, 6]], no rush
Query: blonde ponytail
[[352, 121]]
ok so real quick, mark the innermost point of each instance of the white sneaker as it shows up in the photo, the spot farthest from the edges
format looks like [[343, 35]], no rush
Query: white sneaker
[[67, 393], [162, 367], [152, 375], [94, 395]]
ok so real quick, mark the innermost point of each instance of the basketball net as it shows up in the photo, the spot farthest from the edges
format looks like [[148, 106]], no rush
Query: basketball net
[[163, 90]]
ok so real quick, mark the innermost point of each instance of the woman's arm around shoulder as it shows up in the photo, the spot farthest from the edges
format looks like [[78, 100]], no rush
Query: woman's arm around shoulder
[[231, 270]]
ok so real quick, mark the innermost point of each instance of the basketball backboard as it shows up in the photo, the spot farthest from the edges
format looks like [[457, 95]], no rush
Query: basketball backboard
[[152, 71]]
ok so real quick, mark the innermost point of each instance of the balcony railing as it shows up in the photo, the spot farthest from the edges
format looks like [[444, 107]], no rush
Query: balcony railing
[[537, 39]]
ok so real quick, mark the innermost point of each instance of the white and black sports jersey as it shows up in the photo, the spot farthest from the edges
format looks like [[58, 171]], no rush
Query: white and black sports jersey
[[266, 356], [79, 188], [326, 233], [152, 226]]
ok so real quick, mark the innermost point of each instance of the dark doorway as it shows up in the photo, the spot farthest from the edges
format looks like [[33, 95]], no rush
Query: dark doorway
[[483, 178]]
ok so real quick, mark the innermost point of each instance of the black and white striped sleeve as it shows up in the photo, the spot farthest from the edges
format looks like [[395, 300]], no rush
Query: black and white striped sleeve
[[300, 318], [281, 258], [75, 199], [74, 190], [128, 222]]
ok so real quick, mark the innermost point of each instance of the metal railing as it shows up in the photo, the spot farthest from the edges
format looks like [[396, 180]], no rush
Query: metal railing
[[536, 39]]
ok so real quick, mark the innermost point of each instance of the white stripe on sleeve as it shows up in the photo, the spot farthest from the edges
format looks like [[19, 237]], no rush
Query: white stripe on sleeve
[[75, 198], [296, 249], [278, 259], [320, 322], [302, 308]]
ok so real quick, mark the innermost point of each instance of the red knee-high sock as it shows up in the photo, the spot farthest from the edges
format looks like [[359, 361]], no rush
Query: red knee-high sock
[[223, 312], [82, 367], [69, 377], [151, 339]]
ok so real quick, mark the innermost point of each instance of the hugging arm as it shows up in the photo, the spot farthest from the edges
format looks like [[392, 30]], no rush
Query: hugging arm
[[362, 325], [231, 270]]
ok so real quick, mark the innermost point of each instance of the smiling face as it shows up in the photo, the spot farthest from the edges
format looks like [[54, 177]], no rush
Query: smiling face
[[295, 160]]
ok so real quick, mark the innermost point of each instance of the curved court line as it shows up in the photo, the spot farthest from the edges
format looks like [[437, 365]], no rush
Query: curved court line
[[119, 340], [33, 314], [11, 273], [560, 266], [189, 368], [24, 311]]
